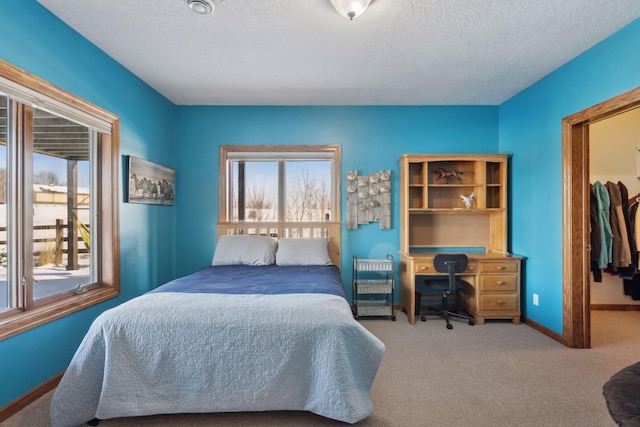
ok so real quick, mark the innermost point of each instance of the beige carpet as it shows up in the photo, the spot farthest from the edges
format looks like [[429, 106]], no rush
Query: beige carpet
[[497, 374]]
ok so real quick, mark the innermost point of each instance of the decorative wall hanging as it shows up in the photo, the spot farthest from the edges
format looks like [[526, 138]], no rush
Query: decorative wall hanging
[[369, 199], [149, 182]]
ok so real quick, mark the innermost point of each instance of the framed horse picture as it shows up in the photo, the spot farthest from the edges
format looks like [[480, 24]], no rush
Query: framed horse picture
[[149, 182]]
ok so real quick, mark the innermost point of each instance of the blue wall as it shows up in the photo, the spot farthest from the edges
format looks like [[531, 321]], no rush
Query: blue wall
[[159, 243], [530, 127], [372, 138], [39, 43]]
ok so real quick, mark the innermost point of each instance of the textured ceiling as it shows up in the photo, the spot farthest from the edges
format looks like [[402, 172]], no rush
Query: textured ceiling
[[301, 52]]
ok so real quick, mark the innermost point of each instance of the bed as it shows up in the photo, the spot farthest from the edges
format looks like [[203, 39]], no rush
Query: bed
[[259, 330]]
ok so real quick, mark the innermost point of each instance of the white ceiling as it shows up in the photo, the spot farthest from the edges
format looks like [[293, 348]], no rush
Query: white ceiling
[[301, 52]]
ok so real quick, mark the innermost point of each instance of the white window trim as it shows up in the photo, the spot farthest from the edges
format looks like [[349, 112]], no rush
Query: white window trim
[[45, 102]]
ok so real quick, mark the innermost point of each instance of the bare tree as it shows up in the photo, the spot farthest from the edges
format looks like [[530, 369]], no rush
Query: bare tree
[[46, 177], [324, 200], [258, 204], [307, 198]]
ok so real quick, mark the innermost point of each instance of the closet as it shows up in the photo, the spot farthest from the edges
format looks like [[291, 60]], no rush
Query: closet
[[614, 156]]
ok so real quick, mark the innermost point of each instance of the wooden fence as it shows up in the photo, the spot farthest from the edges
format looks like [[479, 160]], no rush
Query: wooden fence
[[60, 240]]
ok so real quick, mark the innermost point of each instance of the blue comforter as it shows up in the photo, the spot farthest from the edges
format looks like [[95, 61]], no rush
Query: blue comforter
[[265, 280]]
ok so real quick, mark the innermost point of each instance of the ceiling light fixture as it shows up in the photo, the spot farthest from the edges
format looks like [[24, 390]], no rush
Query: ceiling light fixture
[[351, 8], [201, 7]]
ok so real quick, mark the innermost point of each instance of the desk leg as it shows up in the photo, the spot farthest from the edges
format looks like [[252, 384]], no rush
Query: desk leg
[[407, 292], [408, 310], [411, 316]]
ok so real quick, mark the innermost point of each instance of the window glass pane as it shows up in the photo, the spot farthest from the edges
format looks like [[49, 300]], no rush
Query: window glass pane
[[288, 184], [61, 208], [5, 291], [255, 191], [308, 190]]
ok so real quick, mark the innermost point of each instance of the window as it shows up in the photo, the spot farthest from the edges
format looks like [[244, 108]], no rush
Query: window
[[58, 171], [279, 183]]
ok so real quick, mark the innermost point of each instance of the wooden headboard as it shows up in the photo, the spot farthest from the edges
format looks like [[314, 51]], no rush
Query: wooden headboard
[[329, 229]]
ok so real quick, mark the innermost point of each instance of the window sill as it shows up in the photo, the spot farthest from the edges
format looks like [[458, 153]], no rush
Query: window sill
[[18, 322]]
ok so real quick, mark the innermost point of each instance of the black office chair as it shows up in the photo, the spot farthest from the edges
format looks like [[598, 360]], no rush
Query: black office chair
[[450, 264]]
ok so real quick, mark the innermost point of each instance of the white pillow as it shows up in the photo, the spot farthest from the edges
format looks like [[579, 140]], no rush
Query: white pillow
[[245, 250], [303, 251]]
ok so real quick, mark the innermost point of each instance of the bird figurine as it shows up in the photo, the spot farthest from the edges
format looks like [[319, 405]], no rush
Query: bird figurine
[[468, 199]]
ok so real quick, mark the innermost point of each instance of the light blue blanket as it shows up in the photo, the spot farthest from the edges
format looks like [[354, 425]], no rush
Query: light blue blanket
[[187, 352]]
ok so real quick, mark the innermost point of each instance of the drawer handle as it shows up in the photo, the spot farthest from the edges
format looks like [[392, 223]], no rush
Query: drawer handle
[[424, 268], [500, 302], [501, 282], [470, 268], [501, 267]]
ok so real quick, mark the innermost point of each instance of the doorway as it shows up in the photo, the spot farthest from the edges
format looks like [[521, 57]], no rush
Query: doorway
[[575, 181], [614, 159]]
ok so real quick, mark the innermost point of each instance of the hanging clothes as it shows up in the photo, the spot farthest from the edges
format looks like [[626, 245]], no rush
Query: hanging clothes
[[594, 235], [624, 195], [606, 235], [634, 216], [620, 252], [632, 287]]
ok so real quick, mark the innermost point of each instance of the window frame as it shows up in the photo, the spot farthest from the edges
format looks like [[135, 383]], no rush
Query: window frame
[[227, 152], [14, 321]]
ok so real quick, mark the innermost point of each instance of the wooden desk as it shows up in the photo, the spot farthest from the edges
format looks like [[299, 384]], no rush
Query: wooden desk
[[495, 280]]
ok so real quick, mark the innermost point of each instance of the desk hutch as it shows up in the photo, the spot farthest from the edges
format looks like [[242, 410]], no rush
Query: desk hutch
[[434, 217]]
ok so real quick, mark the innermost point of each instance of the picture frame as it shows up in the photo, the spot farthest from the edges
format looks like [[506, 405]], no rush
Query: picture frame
[[149, 182]]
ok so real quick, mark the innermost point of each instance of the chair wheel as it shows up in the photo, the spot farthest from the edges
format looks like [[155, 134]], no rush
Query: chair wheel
[[449, 326], [423, 318], [471, 322]]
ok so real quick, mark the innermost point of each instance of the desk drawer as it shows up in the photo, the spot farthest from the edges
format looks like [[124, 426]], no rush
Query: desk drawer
[[498, 283], [426, 267], [499, 302], [499, 267]]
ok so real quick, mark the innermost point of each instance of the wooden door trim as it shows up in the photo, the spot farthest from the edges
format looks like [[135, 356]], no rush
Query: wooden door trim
[[575, 214]]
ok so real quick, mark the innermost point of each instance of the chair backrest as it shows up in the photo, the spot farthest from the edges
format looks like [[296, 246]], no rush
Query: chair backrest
[[442, 262], [451, 264]]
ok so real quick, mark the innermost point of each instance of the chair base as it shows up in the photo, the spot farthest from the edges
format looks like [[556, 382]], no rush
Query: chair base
[[447, 315]]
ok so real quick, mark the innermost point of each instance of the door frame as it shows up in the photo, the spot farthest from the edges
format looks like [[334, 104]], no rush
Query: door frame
[[576, 319]]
